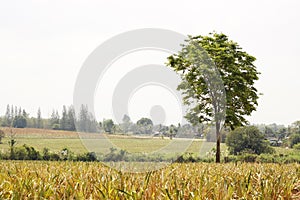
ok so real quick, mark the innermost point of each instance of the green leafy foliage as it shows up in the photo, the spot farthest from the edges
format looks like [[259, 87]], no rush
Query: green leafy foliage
[[2, 134], [295, 139], [200, 62], [247, 140], [145, 125], [108, 125], [297, 146]]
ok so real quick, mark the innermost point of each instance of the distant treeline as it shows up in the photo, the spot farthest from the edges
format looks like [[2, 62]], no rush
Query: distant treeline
[[67, 120], [84, 121]]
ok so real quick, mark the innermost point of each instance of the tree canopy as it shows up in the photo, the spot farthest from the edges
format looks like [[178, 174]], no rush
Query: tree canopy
[[202, 63], [108, 125], [145, 125], [247, 139]]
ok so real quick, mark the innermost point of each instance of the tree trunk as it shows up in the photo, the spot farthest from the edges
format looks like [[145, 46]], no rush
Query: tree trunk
[[218, 152]]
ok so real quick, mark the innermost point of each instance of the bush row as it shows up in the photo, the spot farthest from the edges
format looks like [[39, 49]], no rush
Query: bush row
[[265, 158], [30, 153]]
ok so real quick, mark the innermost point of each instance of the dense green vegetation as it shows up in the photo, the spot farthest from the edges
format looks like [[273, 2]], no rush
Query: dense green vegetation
[[214, 71], [247, 140], [65, 145]]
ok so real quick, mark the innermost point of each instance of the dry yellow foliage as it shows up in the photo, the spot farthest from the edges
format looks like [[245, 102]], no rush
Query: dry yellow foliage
[[77, 180]]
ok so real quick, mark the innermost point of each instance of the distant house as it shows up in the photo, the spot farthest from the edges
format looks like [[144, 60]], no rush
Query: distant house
[[199, 135], [156, 134], [274, 141]]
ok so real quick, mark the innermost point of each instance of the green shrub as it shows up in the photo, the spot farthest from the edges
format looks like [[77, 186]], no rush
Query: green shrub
[[55, 126], [2, 134], [32, 154], [295, 139], [26, 153], [88, 157], [268, 158], [247, 157], [296, 146], [186, 158], [46, 154], [247, 139], [54, 157]]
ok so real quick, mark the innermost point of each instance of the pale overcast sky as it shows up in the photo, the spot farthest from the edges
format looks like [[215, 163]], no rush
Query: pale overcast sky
[[44, 43]]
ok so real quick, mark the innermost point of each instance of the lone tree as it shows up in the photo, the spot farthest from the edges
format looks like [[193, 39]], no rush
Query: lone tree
[[145, 125], [108, 125], [196, 62]]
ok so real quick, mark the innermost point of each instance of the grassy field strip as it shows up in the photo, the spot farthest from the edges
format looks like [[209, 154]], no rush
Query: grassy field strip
[[95, 142], [99, 145]]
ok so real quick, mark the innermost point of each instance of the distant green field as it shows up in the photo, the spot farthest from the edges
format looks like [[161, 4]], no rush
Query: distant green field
[[54, 144], [57, 140]]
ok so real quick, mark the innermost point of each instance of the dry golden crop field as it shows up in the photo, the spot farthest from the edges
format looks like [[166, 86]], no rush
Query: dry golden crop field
[[77, 180]]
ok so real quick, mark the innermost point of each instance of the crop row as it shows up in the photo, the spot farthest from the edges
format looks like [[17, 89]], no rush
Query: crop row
[[78, 180]]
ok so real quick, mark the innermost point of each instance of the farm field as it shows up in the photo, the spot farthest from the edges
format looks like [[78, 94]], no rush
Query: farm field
[[78, 180], [56, 140]]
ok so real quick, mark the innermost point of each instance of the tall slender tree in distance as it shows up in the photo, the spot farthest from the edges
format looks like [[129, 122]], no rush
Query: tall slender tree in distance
[[64, 119], [39, 121]]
